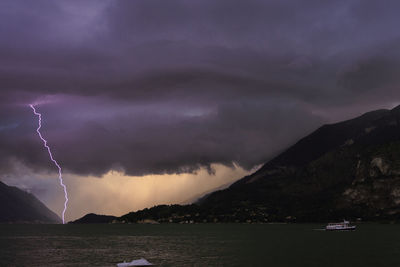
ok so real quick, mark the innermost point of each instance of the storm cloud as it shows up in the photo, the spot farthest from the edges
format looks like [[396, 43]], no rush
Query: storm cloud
[[154, 87]]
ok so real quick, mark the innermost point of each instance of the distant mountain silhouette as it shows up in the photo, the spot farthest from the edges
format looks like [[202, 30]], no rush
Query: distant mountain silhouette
[[346, 170], [18, 206], [95, 218]]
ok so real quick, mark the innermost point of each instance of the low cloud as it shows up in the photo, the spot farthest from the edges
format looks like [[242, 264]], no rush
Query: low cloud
[[118, 194]]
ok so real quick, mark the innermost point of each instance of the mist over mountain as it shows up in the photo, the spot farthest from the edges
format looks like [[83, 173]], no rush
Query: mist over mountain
[[18, 206]]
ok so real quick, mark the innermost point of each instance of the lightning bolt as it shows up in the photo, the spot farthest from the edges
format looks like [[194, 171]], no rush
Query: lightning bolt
[[53, 160]]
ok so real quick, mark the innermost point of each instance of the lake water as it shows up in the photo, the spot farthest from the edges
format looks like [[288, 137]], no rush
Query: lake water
[[199, 245]]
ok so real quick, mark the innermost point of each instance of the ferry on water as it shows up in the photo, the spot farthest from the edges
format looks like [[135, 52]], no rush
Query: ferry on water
[[342, 226], [139, 262]]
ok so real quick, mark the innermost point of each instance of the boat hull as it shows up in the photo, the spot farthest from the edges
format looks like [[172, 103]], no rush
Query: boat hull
[[350, 228]]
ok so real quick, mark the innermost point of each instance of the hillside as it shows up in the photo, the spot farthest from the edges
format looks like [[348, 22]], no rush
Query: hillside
[[346, 170], [18, 206], [95, 218], [349, 169]]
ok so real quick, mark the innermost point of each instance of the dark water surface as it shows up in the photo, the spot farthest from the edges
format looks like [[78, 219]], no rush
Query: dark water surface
[[199, 245]]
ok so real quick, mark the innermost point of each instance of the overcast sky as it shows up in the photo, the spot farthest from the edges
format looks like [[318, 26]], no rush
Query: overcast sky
[[144, 88]]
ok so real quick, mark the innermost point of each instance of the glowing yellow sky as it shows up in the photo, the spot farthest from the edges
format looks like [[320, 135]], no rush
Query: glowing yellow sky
[[117, 194]]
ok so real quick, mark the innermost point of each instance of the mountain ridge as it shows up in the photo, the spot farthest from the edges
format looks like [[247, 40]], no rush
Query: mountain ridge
[[348, 169], [350, 140], [18, 206]]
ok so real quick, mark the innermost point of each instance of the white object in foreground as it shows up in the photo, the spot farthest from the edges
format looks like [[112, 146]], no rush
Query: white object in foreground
[[343, 226], [139, 262]]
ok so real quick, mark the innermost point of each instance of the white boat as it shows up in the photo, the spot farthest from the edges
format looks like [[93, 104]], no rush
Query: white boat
[[139, 262], [342, 226]]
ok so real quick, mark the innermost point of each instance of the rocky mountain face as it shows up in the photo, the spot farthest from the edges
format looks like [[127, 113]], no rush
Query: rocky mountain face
[[18, 206], [349, 170]]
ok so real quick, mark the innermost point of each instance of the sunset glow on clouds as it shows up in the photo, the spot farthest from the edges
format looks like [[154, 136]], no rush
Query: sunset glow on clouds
[[117, 194]]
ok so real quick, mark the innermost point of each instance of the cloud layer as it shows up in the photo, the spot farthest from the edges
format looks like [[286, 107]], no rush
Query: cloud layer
[[153, 87]]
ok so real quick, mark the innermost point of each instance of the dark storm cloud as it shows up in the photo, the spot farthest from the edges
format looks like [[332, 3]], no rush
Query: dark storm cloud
[[374, 73], [168, 141], [171, 86]]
